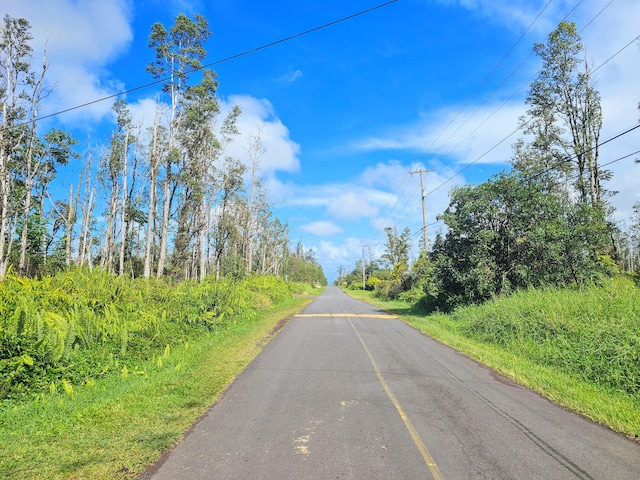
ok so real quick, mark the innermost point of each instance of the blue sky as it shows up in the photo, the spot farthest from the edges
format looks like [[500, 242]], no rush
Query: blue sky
[[348, 111]]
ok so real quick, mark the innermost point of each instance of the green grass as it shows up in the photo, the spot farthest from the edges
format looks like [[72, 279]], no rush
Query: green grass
[[579, 348], [118, 426]]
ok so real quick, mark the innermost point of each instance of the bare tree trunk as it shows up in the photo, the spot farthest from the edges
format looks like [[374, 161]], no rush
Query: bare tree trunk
[[69, 221], [255, 151], [87, 209], [164, 233], [153, 174], [106, 262], [85, 245], [123, 206], [31, 168]]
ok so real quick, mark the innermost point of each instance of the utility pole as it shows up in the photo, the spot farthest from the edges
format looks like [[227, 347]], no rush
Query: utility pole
[[364, 281], [424, 209]]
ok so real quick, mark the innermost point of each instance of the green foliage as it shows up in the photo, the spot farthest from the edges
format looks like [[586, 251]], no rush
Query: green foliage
[[509, 234], [79, 324], [576, 346], [372, 283], [397, 251], [301, 266], [114, 427], [592, 333]]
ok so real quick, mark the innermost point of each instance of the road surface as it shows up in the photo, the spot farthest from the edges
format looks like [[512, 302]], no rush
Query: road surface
[[348, 392]]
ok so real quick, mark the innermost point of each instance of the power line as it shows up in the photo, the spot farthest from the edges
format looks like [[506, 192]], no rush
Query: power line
[[489, 77], [619, 159], [516, 130], [505, 81], [397, 195], [566, 160], [506, 101], [217, 62]]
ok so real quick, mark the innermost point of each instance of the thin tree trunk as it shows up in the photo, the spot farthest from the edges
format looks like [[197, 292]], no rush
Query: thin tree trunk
[[153, 174], [123, 206], [164, 234]]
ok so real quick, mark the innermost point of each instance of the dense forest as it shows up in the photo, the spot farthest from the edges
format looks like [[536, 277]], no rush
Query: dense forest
[[149, 202], [548, 221]]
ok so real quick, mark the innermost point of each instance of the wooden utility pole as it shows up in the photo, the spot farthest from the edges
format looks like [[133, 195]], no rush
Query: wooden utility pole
[[424, 209], [364, 280]]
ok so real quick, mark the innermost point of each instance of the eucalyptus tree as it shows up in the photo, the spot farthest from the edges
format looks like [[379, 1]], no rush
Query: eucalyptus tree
[[178, 53], [257, 198], [85, 185], [113, 177], [225, 228], [301, 266], [199, 145], [273, 240], [158, 149], [565, 116], [31, 160], [15, 77], [54, 150]]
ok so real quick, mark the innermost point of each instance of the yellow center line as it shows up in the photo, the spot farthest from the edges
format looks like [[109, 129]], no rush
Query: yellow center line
[[412, 431]]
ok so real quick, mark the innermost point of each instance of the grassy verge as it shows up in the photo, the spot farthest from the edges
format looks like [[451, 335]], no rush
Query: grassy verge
[[601, 323], [117, 426]]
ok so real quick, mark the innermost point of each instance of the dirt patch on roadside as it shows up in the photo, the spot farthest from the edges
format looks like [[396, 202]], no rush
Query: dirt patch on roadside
[[272, 333]]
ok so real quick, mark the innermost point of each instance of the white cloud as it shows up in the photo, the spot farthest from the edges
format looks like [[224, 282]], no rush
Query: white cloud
[[280, 151], [350, 206], [81, 38], [479, 138], [618, 81], [321, 228], [291, 76], [516, 15]]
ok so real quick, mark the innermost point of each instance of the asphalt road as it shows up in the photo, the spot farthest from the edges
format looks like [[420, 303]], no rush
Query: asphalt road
[[345, 391]]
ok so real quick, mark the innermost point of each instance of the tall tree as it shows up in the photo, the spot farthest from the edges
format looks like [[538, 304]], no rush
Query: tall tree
[[397, 251], [196, 136], [178, 52], [158, 150], [564, 93], [15, 76], [257, 196], [112, 175], [509, 233]]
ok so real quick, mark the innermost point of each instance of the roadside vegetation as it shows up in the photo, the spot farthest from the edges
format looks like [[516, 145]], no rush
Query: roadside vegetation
[[102, 374]]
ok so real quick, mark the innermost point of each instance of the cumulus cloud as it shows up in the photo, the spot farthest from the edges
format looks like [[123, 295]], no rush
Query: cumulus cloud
[[516, 15], [321, 228], [350, 206], [481, 138], [80, 38], [608, 32], [281, 153]]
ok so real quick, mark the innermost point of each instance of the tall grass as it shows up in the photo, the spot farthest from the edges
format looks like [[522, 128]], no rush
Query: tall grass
[[591, 333]]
